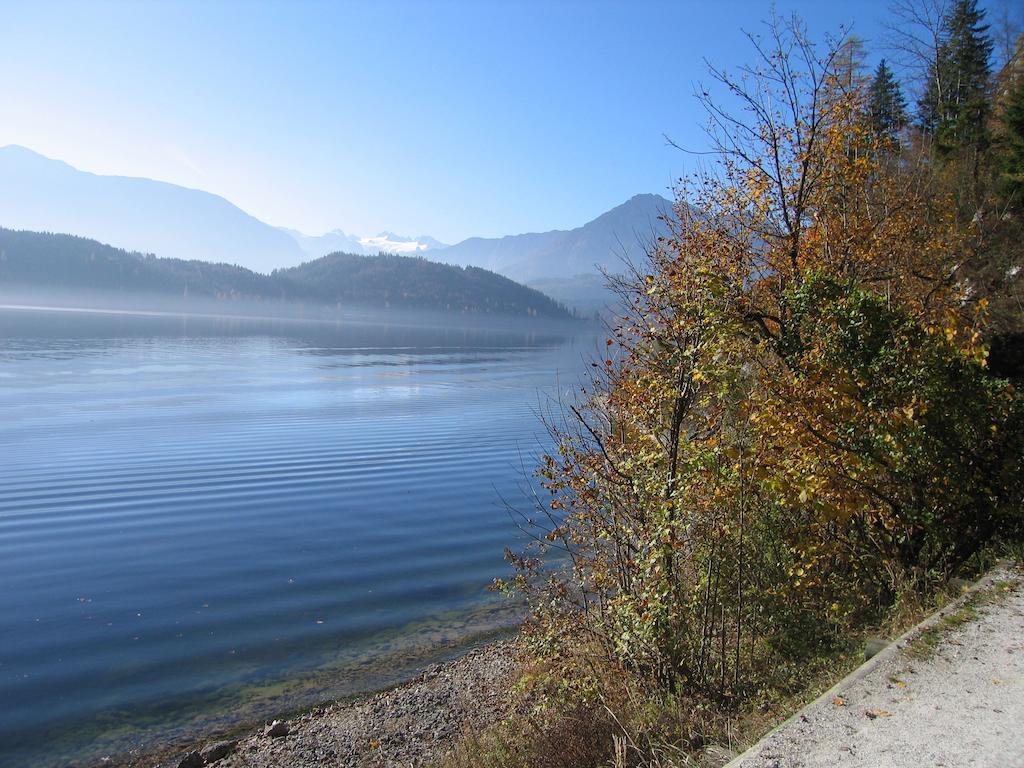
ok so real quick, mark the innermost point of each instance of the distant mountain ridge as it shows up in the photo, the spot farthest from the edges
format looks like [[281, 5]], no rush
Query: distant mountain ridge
[[315, 246], [622, 234], [40, 194], [69, 263]]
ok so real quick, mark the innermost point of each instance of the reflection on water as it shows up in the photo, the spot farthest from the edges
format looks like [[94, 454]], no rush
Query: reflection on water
[[204, 520]]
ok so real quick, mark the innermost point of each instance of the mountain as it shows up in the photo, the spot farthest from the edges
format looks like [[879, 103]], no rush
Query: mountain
[[315, 246], [621, 233], [75, 265], [37, 193], [400, 244], [587, 294]]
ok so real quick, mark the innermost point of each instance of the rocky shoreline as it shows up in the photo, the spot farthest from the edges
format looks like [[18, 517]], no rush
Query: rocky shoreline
[[411, 725]]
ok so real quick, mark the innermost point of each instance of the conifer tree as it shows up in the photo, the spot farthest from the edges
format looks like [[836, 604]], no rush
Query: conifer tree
[[886, 105], [1011, 143], [848, 64], [955, 107]]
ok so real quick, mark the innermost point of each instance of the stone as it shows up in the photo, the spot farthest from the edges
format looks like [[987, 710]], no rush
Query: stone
[[719, 755], [218, 750], [276, 729], [192, 760], [873, 647]]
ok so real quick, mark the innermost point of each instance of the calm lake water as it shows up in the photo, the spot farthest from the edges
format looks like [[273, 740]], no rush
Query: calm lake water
[[207, 521]]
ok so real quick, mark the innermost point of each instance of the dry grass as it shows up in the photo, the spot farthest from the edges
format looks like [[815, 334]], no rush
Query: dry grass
[[628, 723], [582, 737]]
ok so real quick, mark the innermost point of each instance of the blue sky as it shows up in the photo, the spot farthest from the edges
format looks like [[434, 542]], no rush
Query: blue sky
[[448, 118]]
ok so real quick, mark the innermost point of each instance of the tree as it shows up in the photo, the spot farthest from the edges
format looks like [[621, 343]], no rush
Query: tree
[[1008, 24], [915, 38], [793, 420], [1010, 137], [849, 62], [955, 107], [887, 109]]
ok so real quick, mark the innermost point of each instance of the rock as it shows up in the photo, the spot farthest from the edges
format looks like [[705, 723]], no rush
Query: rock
[[719, 755], [192, 760], [873, 647], [276, 729], [218, 750]]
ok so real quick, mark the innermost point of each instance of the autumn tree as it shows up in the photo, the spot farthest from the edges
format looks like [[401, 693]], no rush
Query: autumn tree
[[792, 422], [849, 62]]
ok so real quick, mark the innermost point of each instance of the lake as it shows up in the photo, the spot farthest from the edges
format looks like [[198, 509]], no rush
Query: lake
[[206, 521]]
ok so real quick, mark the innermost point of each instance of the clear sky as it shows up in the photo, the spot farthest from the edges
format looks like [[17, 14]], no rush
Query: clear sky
[[443, 118]]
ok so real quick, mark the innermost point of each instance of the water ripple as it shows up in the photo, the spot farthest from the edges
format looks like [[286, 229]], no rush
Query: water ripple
[[185, 512]]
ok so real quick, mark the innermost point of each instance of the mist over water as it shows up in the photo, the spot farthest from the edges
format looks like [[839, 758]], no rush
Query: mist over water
[[203, 520]]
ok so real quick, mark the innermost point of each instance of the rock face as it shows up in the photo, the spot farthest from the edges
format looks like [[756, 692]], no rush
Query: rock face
[[412, 725]]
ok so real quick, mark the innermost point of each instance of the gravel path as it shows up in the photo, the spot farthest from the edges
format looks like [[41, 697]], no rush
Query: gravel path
[[961, 706], [408, 726]]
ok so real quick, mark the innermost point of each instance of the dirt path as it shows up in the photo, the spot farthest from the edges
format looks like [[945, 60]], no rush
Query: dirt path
[[950, 696]]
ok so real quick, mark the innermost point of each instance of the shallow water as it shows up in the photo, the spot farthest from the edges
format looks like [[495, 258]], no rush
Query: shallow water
[[203, 520]]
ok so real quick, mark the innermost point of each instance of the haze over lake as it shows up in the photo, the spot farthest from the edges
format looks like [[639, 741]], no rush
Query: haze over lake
[[209, 520]]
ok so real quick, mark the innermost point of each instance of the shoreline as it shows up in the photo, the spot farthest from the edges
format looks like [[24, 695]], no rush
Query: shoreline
[[409, 724], [389, 661]]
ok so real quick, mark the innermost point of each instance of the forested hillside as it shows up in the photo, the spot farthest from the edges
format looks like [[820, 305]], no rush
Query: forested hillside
[[54, 261], [65, 261], [388, 279]]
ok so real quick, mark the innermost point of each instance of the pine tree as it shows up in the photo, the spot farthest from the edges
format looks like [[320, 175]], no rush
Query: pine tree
[[1011, 145], [955, 107], [887, 109]]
